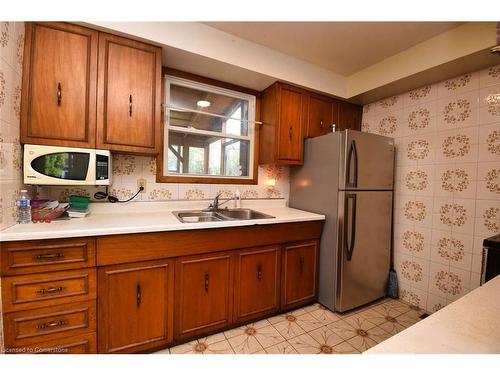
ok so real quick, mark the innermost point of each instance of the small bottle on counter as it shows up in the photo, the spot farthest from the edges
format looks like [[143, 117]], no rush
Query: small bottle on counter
[[23, 204], [237, 199]]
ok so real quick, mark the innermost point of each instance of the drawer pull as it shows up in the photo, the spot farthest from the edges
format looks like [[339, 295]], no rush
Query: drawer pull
[[290, 133], [259, 272], [139, 295], [57, 323], [56, 289], [48, 256], [207, 277], [301, 263], [130, 106], [59, 94]]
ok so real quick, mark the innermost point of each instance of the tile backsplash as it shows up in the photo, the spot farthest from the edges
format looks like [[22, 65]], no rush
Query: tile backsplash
[[447, 189], [127, 169], [11, 59]]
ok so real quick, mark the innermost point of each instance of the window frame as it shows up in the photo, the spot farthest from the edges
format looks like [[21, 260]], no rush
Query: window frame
[[217, 87]]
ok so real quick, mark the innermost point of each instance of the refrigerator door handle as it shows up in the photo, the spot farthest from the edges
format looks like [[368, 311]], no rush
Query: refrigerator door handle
[[353, 152], [349, 244]]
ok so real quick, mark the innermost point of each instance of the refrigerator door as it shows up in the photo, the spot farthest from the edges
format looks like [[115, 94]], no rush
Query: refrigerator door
[[364, 243], [367, 161]]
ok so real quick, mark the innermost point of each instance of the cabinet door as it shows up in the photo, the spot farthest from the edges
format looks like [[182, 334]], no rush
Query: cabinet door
[[257, 283], [135, 306], [59, 85], [129, 96], [349, 116], [203, 294], [320, 117], [299, 274], [290, 140]]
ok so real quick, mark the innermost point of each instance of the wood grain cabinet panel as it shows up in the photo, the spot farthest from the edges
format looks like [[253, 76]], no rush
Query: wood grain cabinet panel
[[42, 290], [129, 95], [321, 115], [257, 283], [46, 255], [59, 85], [135, 306], [35, 326], [299, 274], [349, 116], [204, 288], [283, 113]]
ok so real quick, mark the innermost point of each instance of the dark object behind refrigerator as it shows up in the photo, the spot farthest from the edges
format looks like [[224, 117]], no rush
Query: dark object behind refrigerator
[[491, 258]]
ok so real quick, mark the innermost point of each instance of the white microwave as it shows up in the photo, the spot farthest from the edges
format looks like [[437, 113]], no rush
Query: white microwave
[[53, 165]]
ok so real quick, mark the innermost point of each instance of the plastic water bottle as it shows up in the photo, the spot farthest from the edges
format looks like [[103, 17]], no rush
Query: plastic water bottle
[[23, 204]]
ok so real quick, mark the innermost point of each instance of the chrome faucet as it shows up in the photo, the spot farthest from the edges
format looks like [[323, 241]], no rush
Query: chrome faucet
[[214, 206]]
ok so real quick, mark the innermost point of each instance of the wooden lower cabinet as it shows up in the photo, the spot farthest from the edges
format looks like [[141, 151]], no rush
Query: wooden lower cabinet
[[257, 283], [203, 294], [135, 306], [299, 274]]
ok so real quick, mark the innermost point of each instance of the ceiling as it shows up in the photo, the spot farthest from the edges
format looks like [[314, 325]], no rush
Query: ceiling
[[342, 47]]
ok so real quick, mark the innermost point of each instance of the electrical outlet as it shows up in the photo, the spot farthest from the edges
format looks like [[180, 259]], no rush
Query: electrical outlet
[[141, 182]]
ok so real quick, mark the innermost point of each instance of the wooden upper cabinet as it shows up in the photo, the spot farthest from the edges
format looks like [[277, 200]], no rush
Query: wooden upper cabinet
[[323, 113], [349, 116], [135, 306], [59, 85], [284, 110], [129, 96]]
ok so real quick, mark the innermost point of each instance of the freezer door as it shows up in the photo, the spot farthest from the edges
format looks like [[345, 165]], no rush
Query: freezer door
[[366, 162], [364, 243]]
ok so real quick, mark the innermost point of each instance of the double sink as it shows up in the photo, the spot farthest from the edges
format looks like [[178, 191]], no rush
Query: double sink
[[197, 216]]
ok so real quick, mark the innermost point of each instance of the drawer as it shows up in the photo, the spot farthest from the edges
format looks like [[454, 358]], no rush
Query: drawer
[[82, 344], [48, 289], [48, 255], [23, 328]]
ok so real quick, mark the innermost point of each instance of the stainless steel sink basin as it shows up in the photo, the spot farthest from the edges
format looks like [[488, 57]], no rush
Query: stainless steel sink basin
[[244, 214], [197, 216]]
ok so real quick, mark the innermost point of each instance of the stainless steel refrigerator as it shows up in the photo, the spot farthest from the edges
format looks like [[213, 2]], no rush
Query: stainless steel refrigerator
[[348, 176]]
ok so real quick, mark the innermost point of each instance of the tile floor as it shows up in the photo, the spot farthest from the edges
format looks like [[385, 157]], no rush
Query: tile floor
[[309, 330]]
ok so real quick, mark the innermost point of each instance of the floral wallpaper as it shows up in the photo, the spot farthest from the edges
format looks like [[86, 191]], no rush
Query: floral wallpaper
[[11, 58], [127, 169], [447, 189]]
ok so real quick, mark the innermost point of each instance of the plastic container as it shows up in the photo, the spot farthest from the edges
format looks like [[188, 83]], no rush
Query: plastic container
[[23, 204], [79, 202]]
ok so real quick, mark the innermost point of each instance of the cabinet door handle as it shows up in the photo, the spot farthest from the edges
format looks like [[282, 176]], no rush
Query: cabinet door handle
[[301, 263], [259, 272], [55, 289], [290, 133], [48, 256], [321, 124], [139, 295], [57, 323], [130, 106], [59, 94], [207, 278]]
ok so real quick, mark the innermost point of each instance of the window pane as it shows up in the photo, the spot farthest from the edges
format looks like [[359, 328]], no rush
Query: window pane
[[207, 155], [201, 121], [198, 99]]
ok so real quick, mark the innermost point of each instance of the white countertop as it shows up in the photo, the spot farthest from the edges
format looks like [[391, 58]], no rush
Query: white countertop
[[142, 217], [471, 324]]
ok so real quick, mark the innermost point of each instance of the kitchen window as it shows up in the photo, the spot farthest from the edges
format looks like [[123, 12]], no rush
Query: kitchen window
[[209, 134]]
